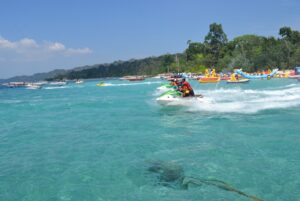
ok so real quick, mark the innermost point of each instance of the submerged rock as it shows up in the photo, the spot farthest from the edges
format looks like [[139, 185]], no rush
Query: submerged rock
[[167, 171], [172, 174]]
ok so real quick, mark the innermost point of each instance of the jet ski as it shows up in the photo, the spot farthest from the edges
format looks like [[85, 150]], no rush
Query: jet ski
[[165, 87], [101, 84], [173, 97]]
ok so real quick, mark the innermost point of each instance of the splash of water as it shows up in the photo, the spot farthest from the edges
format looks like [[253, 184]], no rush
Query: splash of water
[[247, 101], [136, 83], [58, 87]]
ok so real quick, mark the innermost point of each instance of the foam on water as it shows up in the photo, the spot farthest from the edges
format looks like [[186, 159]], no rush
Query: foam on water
[[136, 83], [247, 101], [10, 101], [58, 87]]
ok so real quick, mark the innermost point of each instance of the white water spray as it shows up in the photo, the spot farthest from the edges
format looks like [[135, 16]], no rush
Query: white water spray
[[247, 101]]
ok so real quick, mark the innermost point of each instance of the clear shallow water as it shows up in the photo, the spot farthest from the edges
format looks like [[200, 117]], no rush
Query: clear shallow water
[[82, 142]]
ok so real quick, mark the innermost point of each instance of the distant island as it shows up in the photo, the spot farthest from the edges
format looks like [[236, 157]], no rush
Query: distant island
[[250, 52]]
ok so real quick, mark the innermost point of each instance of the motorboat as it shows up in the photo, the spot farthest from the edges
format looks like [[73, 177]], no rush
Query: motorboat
[[33, 86], [58, 83]]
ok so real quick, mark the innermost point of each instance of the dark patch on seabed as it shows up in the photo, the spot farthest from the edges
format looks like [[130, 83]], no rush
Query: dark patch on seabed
[[172, 175]]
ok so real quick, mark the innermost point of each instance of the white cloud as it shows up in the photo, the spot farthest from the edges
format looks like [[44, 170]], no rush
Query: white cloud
[[56, 46], [27, 42], [28, 49], [6, 43]]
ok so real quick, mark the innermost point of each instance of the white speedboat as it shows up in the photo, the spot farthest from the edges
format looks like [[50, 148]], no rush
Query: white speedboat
[[41, 83], [33, 86], [79, 81], [60, 83]]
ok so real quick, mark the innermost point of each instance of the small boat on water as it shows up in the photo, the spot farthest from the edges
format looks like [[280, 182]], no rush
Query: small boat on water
[[210, 77], [133, 78], [33, 86], [238, 81], [27, 85], [41, 83], [234, 79], [136, 79], [15, 84], [294, 76], [157, 77], [79, 82], [225, 77], [101, 84], [59, 83]]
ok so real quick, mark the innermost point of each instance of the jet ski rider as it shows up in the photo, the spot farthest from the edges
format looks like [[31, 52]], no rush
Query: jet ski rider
[[186, 88], [174, 82]]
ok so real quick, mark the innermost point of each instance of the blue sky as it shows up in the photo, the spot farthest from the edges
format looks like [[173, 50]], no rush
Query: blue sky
[[38, 36]]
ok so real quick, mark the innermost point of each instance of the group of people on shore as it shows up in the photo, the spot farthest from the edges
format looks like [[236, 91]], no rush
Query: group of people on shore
[[183, 86]]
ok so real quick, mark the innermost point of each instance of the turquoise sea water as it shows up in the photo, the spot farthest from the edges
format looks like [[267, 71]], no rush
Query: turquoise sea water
[[86, 143]]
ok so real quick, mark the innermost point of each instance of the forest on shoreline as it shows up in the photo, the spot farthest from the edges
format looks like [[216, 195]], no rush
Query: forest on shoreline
[[249, 52]]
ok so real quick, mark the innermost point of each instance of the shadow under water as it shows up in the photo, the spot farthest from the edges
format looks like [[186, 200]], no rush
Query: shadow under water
[[172, 175]]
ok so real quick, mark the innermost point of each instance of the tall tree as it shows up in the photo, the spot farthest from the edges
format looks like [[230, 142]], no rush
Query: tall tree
[[215, 41], [194, 49], [289, 38], [285, 32]]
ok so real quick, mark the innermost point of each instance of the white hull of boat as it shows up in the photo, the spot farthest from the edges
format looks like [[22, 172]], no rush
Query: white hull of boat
[[58, 83]]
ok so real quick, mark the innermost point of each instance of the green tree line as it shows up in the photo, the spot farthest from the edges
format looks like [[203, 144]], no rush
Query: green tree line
[[249, 52]]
